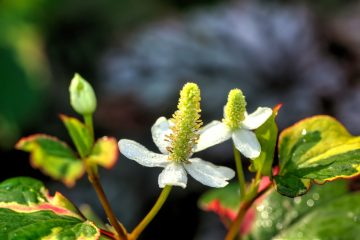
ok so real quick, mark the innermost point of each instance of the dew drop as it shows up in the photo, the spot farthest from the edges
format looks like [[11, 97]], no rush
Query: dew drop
[[286, 204], [265, 215], [260, 208], [356, 218], [279, 226], [297, 200], [350, 214], [316, 196], [294, 214], [268, 223], [299, 234], [303, 132], [310, 203]]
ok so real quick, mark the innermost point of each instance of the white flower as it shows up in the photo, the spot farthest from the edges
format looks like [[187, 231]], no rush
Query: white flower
[[174, 172], [237, 124]]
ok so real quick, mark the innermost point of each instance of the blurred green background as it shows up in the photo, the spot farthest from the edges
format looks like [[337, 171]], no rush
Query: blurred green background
[[137, 54]]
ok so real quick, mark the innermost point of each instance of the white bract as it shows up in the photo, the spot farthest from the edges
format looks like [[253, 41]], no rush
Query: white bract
[[237, 124], [174, 172]]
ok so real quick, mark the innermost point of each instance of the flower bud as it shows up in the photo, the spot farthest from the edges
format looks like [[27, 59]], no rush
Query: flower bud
[[234, 109], [82, 95]]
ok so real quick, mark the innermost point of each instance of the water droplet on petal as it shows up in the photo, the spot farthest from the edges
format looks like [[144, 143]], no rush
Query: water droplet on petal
[[303, 132]]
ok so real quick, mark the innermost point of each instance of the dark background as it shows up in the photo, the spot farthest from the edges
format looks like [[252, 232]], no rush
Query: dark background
[[138, 54]]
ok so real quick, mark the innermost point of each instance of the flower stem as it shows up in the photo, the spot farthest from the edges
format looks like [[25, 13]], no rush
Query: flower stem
[[149, 217], [240, 173], [89, 123], [244, 206], [95, 181]]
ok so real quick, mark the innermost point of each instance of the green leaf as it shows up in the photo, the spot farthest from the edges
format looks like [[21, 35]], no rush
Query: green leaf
[[53, 157], [318, 149], [267, 136], [276, 213], [104, 152], [22, 190], [80, 134], [273, 213], [339, 219], [36, 215], [223, 201]]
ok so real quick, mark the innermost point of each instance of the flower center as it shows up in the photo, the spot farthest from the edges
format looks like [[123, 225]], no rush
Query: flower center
[[234, 109], [186, 124]]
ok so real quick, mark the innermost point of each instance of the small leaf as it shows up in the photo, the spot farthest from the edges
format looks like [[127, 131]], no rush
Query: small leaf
[[267, 136], [53, 157], [104, 153], [317, 149], [80, 134], [36, 215], [223, 201]]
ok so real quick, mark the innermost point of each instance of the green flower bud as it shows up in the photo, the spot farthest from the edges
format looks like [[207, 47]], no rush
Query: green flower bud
[[234, 109], [82, 96], [186, 124]]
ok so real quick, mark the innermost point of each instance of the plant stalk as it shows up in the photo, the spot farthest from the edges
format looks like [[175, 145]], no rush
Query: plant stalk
[[244, 206], [240, 173], [154, 210], [89, 123], [95, 181]]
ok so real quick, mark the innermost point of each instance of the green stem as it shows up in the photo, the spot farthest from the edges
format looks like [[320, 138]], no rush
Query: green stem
[[149, 217], [240, 173], [95, 181], [254, 186], [89, 123], [234, 229]]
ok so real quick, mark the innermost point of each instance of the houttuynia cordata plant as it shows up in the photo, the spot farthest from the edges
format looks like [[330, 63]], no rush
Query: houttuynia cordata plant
[[278, 203]]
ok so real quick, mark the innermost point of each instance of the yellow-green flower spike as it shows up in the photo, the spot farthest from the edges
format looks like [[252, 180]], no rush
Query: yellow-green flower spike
[[186, 124], [234, 109]]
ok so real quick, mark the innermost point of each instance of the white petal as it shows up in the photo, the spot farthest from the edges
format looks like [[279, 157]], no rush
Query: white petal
[[159, 130], [173, 174], [208, 173], [142, 155], [257, 118], [246, 142], [214, 133]]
